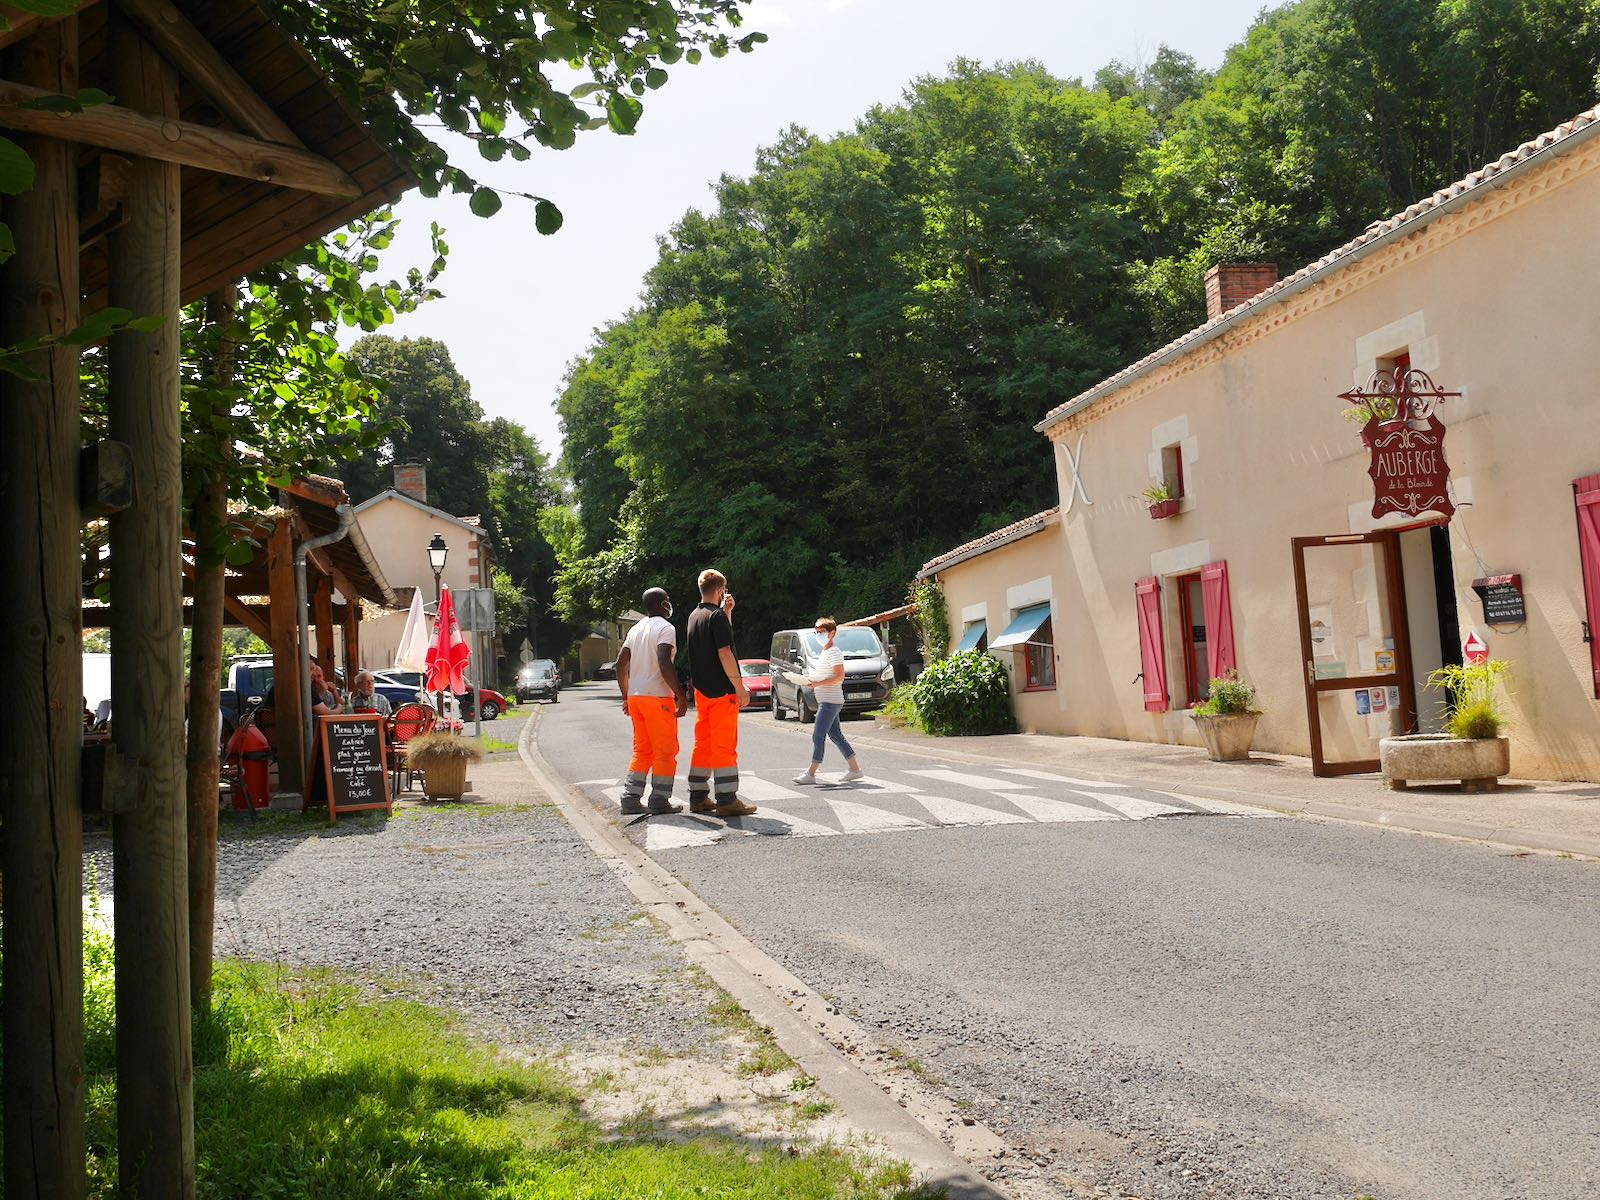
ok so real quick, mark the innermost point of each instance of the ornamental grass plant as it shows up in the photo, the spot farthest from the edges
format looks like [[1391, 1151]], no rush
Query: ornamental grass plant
[[1474, 711]]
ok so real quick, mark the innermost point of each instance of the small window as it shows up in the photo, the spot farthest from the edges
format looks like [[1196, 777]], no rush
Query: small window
[[1172, 469], [1192, 619], [1040, 659], [974, 637]]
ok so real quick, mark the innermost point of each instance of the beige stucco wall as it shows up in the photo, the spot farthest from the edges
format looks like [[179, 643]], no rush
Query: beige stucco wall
[[1498, 300], [399, 533], [998, 584]]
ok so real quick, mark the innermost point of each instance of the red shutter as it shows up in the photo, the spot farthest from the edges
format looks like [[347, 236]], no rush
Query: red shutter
[[1152, 648], [1588, 493], [1220, 656]]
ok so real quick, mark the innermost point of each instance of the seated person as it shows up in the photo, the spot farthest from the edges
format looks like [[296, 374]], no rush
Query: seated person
[[323, 698], [364, 697]]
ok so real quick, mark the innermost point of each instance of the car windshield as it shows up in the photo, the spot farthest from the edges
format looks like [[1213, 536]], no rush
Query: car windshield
[[536, 671], [855, 642], [755, 670]]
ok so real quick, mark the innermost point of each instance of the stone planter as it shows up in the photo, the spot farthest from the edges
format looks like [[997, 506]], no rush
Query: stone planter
[[1437, 758], [443, 777], [1228, 735], [1162, 509]]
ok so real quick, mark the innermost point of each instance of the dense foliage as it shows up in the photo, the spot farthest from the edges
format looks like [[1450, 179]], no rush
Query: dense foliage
[[962, 695], [833, 374]]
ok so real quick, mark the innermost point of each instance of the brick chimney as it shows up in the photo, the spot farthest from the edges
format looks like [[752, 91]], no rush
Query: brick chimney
[[1229, 285], [411, 479]]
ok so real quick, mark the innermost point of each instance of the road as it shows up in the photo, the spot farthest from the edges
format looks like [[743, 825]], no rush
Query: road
[[1160, 1001]]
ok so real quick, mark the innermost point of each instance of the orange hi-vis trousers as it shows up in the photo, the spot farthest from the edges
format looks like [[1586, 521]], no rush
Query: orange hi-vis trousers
[[715, 761], [655, 747]]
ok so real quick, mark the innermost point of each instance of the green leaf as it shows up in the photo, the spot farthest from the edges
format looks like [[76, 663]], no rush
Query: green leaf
[[16, 169], [547, 217], [654, 78], [146, 324], [239, 554], [8, 245], [485, 202], [623, 113]]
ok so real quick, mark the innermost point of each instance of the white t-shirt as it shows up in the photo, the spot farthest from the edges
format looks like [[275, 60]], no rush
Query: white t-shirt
[[644, 672], [829, 661]]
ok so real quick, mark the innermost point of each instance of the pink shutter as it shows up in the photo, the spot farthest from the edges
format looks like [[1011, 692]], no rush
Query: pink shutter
[[1220, 656], [1152, 647], [1588, 493]]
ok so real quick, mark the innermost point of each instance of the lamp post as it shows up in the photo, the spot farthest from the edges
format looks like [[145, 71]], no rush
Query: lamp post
[[437, 553]]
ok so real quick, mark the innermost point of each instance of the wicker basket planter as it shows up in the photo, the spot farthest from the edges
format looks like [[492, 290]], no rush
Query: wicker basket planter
[[443, 759]]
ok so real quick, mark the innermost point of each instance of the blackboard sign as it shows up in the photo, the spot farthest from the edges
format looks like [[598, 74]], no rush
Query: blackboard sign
[[347, 771], [1502, 599]]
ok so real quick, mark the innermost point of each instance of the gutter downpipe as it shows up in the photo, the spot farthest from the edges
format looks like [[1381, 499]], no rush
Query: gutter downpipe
[[301, 552], [1461, 199]]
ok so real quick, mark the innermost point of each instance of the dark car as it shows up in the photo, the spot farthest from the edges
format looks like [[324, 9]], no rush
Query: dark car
[[757, 675], [607, 670], [539, 680], [398, 687]]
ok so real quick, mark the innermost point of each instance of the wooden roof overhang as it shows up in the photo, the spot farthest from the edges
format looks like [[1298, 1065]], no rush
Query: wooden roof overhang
[[273, 157]]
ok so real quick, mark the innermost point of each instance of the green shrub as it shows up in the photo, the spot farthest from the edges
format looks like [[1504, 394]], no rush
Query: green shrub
[[932, 619], [964, 694], [1230, 696], [1474, 710]]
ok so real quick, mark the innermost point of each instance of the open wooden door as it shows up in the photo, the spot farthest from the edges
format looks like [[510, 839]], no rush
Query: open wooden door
[[1355, 647]]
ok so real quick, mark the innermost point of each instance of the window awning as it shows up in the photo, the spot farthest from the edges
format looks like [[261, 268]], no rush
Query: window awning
[[1021, 630], [973, 635]]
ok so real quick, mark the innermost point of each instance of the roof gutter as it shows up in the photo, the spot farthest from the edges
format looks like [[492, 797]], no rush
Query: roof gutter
[[934, 566], [1252, 308]]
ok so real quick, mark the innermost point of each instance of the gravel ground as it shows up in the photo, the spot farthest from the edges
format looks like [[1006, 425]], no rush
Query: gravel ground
[[502, 914]]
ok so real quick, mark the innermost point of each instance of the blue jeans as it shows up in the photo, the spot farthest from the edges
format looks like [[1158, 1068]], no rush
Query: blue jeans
[[827, 726]]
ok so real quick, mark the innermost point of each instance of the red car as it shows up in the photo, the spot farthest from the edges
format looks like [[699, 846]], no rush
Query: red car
[[493, 704], [757, 674]]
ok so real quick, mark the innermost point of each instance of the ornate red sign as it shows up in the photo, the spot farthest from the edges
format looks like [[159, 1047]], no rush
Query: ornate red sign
[[1409, 473]]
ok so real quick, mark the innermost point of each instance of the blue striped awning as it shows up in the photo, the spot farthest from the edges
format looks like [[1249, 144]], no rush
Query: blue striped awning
[[1021, 630]]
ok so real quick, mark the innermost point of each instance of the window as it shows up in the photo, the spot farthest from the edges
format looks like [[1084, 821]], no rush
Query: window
[[1172, 469], [1040, 656], [974, 637], [1192, 622]]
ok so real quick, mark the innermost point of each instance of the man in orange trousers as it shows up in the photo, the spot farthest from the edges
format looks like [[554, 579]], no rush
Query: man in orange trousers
[[719, 694], [653, 699]]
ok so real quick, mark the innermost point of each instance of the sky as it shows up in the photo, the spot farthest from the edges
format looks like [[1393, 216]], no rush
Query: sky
[[519, 307]]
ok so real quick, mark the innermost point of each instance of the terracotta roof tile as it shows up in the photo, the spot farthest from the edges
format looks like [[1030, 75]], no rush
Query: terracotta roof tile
[[989, 541], [1378, 230]]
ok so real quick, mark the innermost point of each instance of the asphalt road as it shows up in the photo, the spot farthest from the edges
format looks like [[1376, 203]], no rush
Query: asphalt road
[[1165, 1004]]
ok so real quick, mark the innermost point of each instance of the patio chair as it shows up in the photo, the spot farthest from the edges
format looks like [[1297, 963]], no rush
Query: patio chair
[[409, 721]]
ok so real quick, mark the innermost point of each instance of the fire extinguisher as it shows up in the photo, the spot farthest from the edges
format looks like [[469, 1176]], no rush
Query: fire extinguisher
[[250, 751]]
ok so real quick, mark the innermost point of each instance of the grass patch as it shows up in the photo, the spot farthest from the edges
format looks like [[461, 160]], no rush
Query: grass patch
[[306, 1086], [495, 745], [817, 1106], [914, 1065], [458, 808], [765, 1057]]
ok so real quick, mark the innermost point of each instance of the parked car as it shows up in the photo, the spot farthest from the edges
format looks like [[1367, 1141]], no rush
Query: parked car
[[539, 680], [868, 670], [399, 687], [607, 670], [493, 704], [757, 674]]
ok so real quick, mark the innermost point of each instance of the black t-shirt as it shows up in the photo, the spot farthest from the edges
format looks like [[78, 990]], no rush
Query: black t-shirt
[[709, 631]]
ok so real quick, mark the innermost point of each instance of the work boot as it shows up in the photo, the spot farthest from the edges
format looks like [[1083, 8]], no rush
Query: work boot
[[632, 806], [733, 807], [661, 807], [702, 804]]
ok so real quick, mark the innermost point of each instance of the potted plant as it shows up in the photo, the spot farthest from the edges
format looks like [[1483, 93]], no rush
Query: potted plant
[[1163, 503], [443, 758], [1227, 718], [1472, 749]]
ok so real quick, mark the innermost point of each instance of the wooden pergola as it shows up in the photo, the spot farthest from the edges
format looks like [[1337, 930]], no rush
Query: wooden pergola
[[223, 149]]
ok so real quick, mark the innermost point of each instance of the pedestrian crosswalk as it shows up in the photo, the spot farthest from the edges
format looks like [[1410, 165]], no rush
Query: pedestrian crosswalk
[[909, 801]]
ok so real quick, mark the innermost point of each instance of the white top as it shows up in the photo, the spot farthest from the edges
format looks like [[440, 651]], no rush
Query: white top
[[829, 661], [644, 672]]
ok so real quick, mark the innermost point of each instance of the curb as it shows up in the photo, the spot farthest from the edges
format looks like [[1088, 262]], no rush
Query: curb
[[824, 1043], [1476, 831]]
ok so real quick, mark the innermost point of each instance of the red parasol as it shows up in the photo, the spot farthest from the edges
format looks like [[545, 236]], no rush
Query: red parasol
[[448, 656]]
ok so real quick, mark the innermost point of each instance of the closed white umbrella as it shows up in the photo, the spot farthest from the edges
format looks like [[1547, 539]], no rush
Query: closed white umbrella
[[412, 652]]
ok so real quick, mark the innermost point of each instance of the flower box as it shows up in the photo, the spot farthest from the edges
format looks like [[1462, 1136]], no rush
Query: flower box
[[1162, 509]]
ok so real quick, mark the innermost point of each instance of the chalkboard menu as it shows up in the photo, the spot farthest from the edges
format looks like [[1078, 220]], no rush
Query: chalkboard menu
[[1502, 599], [347, 771]]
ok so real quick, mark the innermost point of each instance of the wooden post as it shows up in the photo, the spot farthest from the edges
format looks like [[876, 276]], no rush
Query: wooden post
[[155, 1099], [322, 615], [40, 640], [352, 639], [285, 640], [208, 521]]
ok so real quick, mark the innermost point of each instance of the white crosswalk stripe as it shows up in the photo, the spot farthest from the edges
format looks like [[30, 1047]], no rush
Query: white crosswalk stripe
[[1053, 777], [863, 818], [679, 833], [769, 822], [1042, 808], [871, 783], [1132, 806], [984, 783], [959, 812]]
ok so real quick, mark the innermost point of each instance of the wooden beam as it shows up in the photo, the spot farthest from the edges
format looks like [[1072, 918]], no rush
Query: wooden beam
[[39, 742], [352, 641], [155, 1066], [167, 139], [285, 643], [22, 25], [204, 67], [322, 610]]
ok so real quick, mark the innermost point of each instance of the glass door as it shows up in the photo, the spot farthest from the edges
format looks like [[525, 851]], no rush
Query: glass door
[[1355, 647]]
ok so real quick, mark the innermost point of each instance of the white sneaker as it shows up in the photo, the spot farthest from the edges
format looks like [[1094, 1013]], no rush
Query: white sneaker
[[852, 776], [804, 778]]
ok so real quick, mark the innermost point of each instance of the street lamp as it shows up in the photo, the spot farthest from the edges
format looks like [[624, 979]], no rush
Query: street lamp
[[437, 553]]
